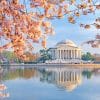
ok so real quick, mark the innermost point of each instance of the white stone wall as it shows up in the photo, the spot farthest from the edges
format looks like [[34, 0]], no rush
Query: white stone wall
[[66, 52]]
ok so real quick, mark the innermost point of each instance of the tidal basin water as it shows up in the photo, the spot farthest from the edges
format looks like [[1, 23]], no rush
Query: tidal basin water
[[51, 83]]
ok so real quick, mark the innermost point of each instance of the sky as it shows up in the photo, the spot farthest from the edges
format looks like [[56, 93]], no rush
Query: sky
[[66, 31]]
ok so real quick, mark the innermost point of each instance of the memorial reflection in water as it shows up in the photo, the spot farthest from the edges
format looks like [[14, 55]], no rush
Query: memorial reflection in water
[[66, 78], [63, 77], [52, 82]]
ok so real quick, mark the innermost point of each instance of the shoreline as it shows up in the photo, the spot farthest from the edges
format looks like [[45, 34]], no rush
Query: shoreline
[[53, 65]]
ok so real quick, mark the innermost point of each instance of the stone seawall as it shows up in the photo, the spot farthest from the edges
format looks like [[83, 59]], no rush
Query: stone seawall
[[54, 65]]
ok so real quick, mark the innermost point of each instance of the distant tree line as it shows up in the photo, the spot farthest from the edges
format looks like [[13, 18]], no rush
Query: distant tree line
[[9, 57], [41, 57]]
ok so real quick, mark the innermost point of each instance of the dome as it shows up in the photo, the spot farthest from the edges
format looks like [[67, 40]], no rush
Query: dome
[[67, 42], [70, 87]]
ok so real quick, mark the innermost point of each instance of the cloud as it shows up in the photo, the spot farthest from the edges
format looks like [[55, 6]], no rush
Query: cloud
[[88, 48], [65, 30]]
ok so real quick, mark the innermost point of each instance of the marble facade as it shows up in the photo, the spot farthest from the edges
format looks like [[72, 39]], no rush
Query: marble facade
[[65, 50]]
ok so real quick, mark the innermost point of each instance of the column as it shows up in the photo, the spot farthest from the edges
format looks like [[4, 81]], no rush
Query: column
[[71, 54], [67, 54], [59, 53], [74, 54], [77, 54], [63, 76], [52, 53], [56, 55], [63, 54], [60, 76], [74, 76], [80, 54]]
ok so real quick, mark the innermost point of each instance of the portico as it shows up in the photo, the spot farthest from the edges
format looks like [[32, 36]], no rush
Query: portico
[[66, 50]]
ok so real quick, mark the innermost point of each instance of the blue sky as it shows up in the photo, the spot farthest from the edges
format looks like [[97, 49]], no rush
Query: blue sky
[[65, 30]]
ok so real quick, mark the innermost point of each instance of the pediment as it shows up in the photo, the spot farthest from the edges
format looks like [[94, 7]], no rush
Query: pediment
[[65, 47]]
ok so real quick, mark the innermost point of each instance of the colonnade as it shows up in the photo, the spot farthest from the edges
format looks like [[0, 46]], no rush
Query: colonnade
[[66, 76], [66, 54]]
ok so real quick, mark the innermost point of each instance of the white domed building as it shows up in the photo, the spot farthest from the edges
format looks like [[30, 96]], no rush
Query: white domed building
[[66, 50]]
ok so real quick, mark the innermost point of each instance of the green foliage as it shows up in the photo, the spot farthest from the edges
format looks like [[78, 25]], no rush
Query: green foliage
[[9, 56], [19, 73], [88, 74], [87, 57], [44, 55]]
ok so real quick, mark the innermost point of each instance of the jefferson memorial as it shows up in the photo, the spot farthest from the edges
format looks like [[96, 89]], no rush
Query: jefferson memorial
[[66, 50]]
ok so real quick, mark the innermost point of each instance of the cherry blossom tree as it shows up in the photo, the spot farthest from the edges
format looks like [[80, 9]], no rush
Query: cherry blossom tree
[[21, 26]]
